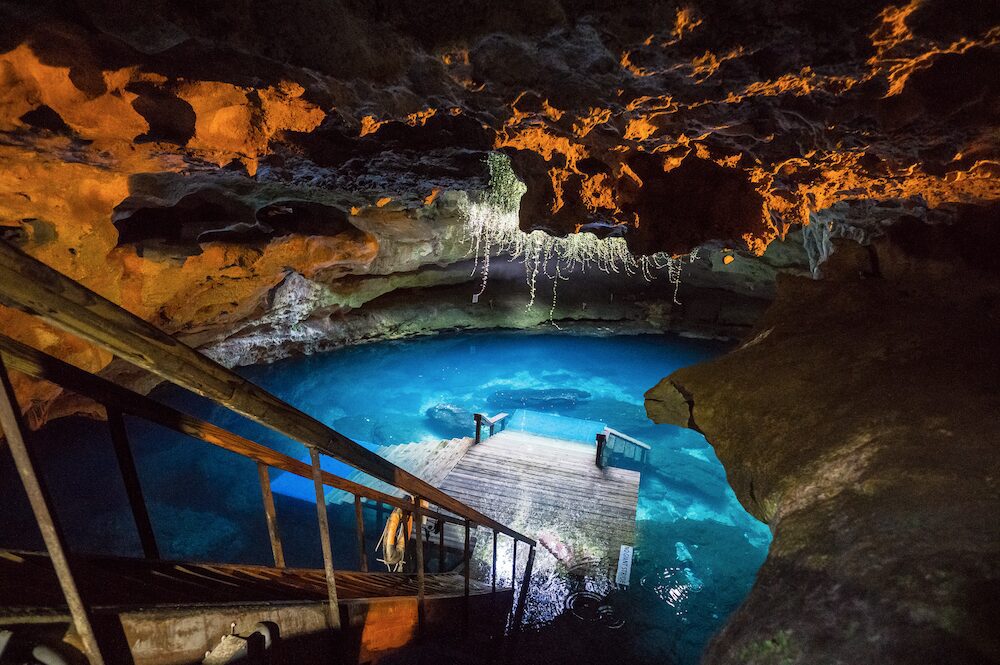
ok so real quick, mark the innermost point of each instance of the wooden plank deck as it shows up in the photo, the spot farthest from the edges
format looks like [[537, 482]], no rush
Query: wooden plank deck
[[551, 489], [28, 583]]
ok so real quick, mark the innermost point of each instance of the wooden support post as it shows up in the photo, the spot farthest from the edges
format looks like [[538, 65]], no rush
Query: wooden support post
[[479, 426], [443, 525], [359, 519], [513, 573], [324, 536], [525, 585], [494, 568], [602, 441], [271, 515], [41, 506], [467, 558], [126, 465], [418, 513]]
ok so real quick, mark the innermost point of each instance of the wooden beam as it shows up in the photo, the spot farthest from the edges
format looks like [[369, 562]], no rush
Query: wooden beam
[[271, 515], [513, 572], [467, 556], [41, 506], [418, 512], [525, 584], [31, 286], [133, 488], [324, 539], [443, 526], [39, 365], [359, 519], [493, 569]]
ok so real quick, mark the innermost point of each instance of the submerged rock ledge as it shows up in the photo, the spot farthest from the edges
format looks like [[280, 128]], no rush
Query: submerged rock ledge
[[859, 422]]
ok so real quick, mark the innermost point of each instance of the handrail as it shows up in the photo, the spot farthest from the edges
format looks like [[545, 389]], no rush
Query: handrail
[[39, 365], [628, 438], [481, 418], [31, 286], [605, 442]]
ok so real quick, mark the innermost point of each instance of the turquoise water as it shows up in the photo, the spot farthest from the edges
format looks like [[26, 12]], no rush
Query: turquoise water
[[555, 426], [696, 551]]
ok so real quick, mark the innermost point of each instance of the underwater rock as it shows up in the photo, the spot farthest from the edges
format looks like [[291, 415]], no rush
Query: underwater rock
[[538, 398], [451, 419]]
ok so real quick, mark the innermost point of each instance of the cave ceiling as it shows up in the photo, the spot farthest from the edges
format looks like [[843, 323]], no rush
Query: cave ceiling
[[186, 159], [679, 123]]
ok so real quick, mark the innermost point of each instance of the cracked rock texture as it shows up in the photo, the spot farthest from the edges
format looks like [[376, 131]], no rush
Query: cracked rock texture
[[858, 421]]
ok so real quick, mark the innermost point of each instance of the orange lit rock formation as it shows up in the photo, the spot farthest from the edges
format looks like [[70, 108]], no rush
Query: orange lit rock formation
[[185, 161]]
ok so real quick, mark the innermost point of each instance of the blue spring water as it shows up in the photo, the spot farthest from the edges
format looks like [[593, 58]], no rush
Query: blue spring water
[[697, 550]]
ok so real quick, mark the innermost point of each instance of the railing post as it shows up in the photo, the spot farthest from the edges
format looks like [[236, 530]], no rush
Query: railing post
[[602, 440], [126, 465], [418, 513], [479, 426], [468, 558], [359, 519], [513, 572], [270, 515], [525, 583], [494, 568], [324, 536], [443, 525], [41, 506]]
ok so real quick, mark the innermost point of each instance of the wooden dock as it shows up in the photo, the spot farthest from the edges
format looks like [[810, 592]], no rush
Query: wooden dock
[[552, 490]]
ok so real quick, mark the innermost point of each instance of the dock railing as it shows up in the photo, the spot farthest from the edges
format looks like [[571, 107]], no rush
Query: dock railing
[[491, 422], [28, 285], [612, 442]]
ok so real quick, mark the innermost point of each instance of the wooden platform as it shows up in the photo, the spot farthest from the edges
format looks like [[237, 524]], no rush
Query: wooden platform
[[551, 490], [429, 460], [171, 613], [28, 584]]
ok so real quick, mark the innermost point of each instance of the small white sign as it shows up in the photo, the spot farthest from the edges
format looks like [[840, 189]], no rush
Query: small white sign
[[475, 298], [624, 565]]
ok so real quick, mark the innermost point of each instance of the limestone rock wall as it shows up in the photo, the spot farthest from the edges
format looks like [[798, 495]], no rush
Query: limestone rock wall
[[858, 421]]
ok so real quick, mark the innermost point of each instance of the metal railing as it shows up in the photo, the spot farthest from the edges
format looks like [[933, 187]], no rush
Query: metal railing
[[611, 443], [31, 286], [491, 422]]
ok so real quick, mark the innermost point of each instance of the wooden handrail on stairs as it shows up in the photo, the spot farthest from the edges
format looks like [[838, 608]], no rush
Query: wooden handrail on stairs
[[31, 286]]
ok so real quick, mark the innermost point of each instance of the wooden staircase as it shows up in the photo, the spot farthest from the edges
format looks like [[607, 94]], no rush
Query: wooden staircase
[[149, 611]]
